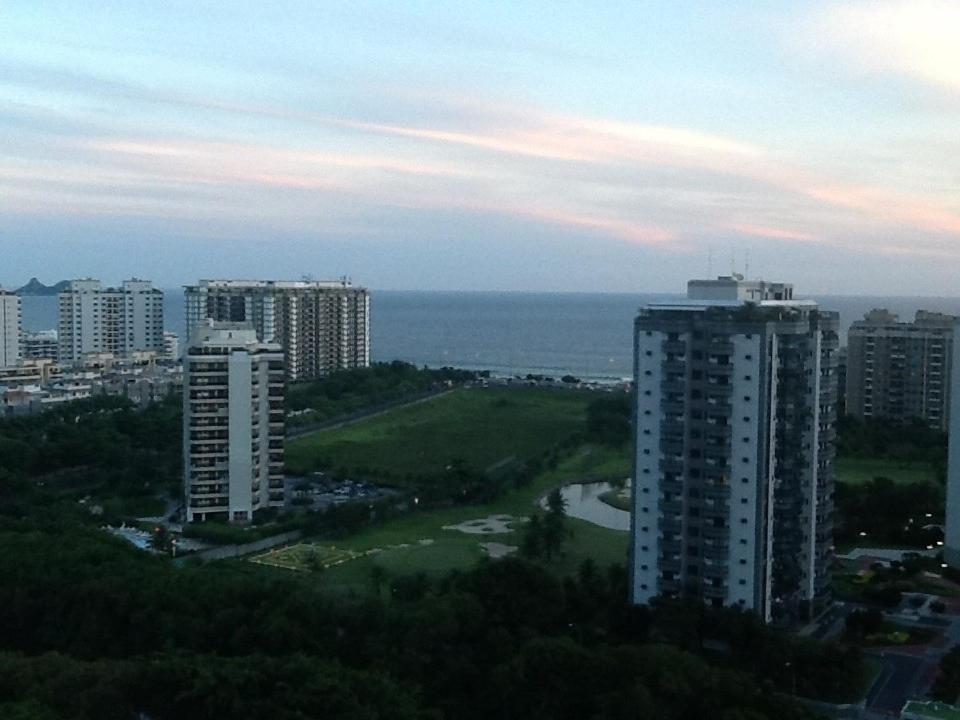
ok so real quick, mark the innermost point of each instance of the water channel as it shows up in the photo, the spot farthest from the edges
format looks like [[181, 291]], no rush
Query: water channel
[[583, 502]]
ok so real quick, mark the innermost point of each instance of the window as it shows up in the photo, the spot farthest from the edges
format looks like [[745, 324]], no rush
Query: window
[[743, 582], [743, 501], [646, 452], [743, 541], [642, 586], [647, 372], [742, 562], [748, 356], [747, 377], [649, 353], [743, 521], [644, 548], [746, 460], [646, 412], [746, 439], [746, 398], [643, 567], [746, 418]]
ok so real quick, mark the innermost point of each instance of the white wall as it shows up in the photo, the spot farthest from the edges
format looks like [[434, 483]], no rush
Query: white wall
[[240, 409], [645, 548], [10, 351], [745, 429], [952, 538]]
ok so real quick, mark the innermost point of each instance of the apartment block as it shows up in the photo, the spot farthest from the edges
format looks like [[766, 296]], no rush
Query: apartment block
[[9, 328], [233, 423], [94, 319], [899, 371], [736, 393], [322, 326], [171, 346], [43, 344]]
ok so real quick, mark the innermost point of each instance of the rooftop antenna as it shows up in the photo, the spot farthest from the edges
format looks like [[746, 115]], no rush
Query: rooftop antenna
[[710, 261], [746, 265]]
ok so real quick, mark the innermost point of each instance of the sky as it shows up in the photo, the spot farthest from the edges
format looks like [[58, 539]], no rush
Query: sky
[[540, 146]]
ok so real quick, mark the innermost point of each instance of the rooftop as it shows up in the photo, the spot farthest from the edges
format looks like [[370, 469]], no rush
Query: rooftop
[[732, 291], [342, 282]]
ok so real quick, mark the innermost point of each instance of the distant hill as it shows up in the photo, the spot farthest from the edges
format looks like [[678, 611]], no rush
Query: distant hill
[[35, 287]]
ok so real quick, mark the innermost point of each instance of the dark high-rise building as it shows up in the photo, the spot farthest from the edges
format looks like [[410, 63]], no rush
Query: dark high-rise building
[[736, 393]]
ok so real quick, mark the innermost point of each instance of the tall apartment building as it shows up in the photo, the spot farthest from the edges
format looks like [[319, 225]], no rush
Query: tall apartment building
[[733, 473], [9, 328], [233, 423], [323, 326], [898, 371], [41, 344], [94, 319]]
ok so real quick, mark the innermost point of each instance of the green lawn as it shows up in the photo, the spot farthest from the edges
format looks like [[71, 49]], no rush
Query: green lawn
[[857, 471], [419, 543], [479, 426]]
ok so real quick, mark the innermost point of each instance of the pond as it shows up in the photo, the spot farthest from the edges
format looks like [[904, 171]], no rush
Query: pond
[[583, 502]]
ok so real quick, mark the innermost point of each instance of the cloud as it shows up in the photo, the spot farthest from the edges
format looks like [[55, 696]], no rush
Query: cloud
[[913, 38], [774, 233]]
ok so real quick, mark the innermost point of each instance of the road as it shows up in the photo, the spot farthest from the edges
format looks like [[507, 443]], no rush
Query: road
[[902, 677]]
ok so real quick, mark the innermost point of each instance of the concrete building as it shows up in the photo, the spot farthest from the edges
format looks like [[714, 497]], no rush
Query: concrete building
[[9, 328], [94, 319], [43, 344], [322, 326], [951, 539], [898, 371], [733, 473], [233, 425], [171, 346]]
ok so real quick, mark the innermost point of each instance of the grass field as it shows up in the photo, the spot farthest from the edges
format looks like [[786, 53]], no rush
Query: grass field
[[857, 471], [479, 426], [419, 543]]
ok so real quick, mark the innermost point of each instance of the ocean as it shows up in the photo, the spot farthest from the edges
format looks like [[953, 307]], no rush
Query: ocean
[[584, 334]]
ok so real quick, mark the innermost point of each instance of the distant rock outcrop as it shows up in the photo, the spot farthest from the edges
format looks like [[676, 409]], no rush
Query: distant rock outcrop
[[35, 287]]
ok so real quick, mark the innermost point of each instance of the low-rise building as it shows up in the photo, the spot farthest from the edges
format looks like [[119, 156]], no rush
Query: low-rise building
[[41, 344]]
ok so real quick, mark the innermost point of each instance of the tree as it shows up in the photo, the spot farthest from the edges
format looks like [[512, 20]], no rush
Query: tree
[[378, 576], [555, 530]]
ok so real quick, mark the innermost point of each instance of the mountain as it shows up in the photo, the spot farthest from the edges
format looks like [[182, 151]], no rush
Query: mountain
[[35, 287]]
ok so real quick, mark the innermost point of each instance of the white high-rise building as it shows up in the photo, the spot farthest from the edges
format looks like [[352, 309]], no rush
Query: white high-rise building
[[9, 328], [322, 326], [233, 423], [94, 319], [736, 392]]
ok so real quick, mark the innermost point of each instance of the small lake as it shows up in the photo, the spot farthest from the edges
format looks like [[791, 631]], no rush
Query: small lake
[[584, 503]]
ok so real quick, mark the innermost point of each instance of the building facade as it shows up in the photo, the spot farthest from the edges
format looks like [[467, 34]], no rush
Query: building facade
[[10, 353], [94, 319], [233, 423], [321, 326], [43, 344], [899, 371], [171, 346], [733, 474]]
